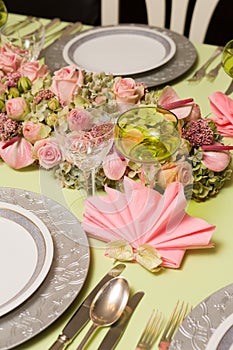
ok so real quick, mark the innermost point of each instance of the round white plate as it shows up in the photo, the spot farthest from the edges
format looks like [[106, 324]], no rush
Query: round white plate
[[120, 50], [26, 253], [209, 326]]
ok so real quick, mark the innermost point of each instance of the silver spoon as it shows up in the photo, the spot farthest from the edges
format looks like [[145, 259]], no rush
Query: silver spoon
[[108, 305]]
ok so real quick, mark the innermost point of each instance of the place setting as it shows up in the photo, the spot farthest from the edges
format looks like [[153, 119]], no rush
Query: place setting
[[125, 174], [50, 256], [154, 55]]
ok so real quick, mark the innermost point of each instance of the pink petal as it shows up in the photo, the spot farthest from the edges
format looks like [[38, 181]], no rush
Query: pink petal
[[216, 161], [114, 167], [17, 155], [222, 108], [168, 97]]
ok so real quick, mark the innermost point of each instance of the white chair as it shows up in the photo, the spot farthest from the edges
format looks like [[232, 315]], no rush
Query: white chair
[[156, 14]]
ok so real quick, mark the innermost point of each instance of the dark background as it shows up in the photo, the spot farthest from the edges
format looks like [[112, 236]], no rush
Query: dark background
[[131, 11]]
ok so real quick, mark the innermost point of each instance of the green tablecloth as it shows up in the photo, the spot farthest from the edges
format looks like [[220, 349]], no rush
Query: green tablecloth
[[202, 271]]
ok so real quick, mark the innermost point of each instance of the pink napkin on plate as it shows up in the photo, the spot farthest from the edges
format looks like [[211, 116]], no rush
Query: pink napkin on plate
[[142, 225]]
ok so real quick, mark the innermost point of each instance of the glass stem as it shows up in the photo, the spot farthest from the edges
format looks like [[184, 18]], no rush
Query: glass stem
[[89, 178]]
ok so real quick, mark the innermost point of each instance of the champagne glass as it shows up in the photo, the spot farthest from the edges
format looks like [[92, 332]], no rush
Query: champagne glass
[[147, 135], [26, 42], [87, 142], [227, 58], [3, 14]]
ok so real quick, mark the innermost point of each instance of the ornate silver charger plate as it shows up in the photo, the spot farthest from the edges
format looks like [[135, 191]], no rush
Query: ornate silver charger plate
[[183, 59], [65, 278], [209, 325]]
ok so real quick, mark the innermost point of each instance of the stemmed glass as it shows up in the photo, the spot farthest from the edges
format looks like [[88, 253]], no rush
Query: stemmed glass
[[147, 135], [26, 42], [227, 63], [3, 14], [227, 58], [86, 143]]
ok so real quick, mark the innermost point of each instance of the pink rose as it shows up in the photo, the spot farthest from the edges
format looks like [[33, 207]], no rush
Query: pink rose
[[17, 108], [180, 171], [65, 81], [126, 90], [33, 70], [18, 154], [114, 166], [48, 153], [79, 119], [35, 131], [9, 62]]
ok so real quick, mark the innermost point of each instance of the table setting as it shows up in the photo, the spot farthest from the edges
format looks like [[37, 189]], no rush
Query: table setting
[[116, 189]]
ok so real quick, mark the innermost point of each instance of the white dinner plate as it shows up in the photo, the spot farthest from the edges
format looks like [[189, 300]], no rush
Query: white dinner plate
[[120, 50], [26, 253], [209, 326]]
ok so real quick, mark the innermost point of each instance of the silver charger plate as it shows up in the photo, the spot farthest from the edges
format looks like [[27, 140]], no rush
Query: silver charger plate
[[209, 326], [65, 278], [120, 50], [183, 59]]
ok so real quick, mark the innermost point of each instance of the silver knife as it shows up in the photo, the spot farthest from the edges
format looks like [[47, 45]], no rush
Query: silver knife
[[229, 90], [117, 329], [81, 316]]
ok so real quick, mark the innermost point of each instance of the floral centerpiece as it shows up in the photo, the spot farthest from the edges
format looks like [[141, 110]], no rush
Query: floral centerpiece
[[32, 101]]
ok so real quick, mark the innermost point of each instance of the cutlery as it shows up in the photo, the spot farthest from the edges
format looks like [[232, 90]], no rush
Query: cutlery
[[107, 306], [151, 331], [51, 24], [200, 73], [229, 90], [64, 31], [212, 74], [178, 314], [20, 25], [117, 329], [82, 316]]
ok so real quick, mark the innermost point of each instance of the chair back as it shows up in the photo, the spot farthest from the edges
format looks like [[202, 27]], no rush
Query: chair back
[[156, 15]]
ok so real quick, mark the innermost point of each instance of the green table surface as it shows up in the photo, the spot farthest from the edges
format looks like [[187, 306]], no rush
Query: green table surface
[[202, 271]]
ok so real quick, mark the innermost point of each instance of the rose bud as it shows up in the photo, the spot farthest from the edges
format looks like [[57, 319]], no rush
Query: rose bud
[[13, 92], [51, 119], [2, 106], [53, 104], [24, 84]]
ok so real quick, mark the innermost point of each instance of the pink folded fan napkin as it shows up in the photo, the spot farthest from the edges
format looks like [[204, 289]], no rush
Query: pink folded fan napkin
[[143, 225]]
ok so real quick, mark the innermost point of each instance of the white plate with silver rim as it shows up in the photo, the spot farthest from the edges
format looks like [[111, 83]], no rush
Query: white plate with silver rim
[[26, 253], [209, 326], [120, 50]]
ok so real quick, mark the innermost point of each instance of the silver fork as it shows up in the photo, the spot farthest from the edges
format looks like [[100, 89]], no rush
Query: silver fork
[[212, 74], [178, 314], [151, 331], [200, 73]]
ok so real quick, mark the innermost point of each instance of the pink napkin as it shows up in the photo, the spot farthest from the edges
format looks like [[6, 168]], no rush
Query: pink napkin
[[144, 218], [222, 108]]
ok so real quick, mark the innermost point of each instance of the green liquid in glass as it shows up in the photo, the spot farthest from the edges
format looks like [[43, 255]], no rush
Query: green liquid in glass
[[145, 136], [3, 14]]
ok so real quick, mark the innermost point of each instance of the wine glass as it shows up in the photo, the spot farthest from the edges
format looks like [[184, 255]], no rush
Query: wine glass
[[85, 141], [26, 42], [227, 58], [3, 14], [147, 135]]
